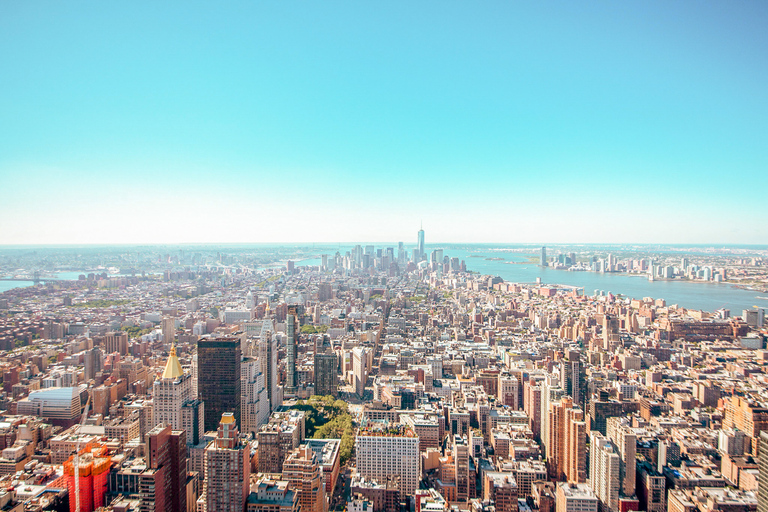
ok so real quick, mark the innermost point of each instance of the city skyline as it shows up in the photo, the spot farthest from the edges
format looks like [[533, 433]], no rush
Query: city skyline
[[535, 123]]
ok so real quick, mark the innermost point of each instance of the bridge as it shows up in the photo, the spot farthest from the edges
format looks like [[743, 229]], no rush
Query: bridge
[[35, 278]]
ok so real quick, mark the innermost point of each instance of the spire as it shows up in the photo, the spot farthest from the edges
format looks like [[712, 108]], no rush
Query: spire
[[173, 366]]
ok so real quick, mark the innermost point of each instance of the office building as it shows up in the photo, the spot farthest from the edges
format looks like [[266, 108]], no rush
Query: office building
[[168, 327], [254, 407], [227, 469], [382, 455], [461, 456], [604, 472], [291, 332], [283, 432], [219, 360], [543, 260], [625, 442], [573, 377], [116, 342], [550, 393], [271, 495], [566, 455], [170, 392], [575, 498], [161, 488], [746, 416], [501, 488], [360, 369], [267, 353], [193, 420], [94, 362], [651, 488], [762, 485], [60, 406], [420, 244], [302, 469], [326, 374]]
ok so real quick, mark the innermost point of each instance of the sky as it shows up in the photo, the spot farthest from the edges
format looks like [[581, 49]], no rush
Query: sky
[[496, 122]]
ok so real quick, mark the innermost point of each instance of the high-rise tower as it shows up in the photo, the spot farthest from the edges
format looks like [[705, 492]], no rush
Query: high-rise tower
[[220, 388], [267, 352], [303, 471], [420, 246], [227, 469], [163, 488], [291, 326], [762, 475], [326, 374], [604, 471], [171, 392], [573, 377], [543, 261]]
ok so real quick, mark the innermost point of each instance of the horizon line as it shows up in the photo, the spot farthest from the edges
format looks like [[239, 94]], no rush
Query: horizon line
[[305, 243]]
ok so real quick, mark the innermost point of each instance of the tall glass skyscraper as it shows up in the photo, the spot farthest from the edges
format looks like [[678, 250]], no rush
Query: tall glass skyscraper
[[421, 244], [219, 360], [291, 326]]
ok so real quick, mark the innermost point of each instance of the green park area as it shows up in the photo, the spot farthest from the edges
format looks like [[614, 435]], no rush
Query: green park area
[[329, 418]]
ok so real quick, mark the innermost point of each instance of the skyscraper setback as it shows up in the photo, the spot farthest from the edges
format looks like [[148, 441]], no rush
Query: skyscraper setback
[[227, 470]]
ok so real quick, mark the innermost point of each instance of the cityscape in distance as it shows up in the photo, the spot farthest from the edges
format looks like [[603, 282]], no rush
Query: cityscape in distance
[[359, 257]]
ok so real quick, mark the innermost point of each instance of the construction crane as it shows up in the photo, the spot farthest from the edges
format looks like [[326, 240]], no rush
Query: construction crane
[[77, 455]]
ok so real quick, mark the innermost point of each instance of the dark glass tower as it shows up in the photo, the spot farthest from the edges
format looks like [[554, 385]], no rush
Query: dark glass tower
[[291, 326], [218, 384], [326, 375]]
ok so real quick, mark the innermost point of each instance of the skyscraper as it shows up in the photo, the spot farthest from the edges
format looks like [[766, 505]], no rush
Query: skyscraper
[[192, 420], [566, 450], [550, 393], [420, 244], [94, 361], [461, 467], [168, 326], [267, 352], [625, 442], [543, 261], [360, 369], [762, 465], [254, 409], [291, 326], [171, 392], [326, 375], [227, 469], [164, 488], [220, 388], [116, 342], [302, 469], [382, 455], [573, 377], [604, 471]]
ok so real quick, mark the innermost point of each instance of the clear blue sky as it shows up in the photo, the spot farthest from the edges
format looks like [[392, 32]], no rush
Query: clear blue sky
[[345, 121]]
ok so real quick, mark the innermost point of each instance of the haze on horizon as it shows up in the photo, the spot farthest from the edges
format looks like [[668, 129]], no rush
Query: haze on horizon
[[611, 122]]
